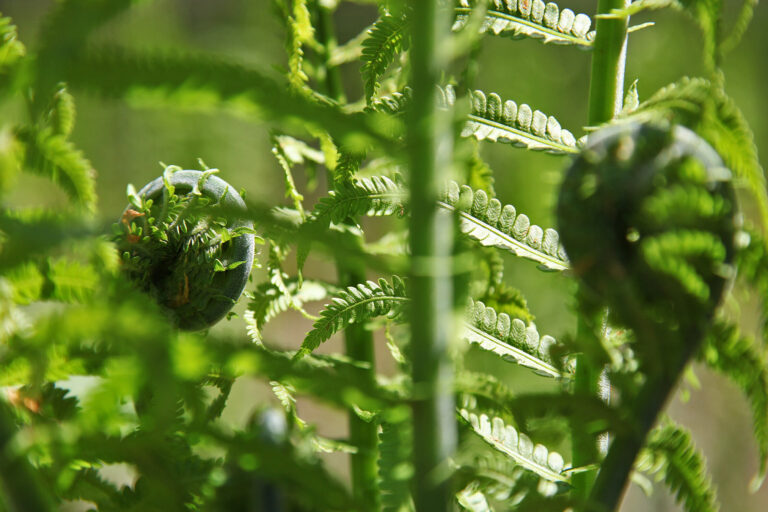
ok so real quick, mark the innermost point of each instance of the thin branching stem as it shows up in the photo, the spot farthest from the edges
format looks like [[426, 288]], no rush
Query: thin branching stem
[[429, 141]]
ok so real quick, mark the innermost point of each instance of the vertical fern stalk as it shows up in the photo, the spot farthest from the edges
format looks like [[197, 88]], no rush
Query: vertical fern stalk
[[358, 340], [429, 139], [606, 92]]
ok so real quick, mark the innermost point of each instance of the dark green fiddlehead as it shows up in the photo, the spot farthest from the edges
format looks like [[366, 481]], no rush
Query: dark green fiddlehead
[[646, 215], [193, 262]]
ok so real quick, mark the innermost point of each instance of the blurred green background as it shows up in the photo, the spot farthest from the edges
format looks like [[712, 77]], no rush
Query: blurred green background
[[125, 145]]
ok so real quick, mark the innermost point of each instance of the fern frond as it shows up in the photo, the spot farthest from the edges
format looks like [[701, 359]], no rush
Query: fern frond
[[505, 121], [356, 304], [672, 456], [267, 301], [374, 196], [505, 438], [54, 157], [470, 498], [72, 281], [493, 225], [705, 108], [387, 38], [531, 18], [11, 49], [62, 113], [395, 468], [737, 357], [202, 82], [510, 338]]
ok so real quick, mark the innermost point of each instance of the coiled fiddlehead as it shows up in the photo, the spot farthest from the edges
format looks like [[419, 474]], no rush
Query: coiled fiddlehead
[[178, 243], [647, 217]]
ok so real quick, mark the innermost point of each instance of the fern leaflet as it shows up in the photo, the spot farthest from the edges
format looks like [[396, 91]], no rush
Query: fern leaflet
[[375, 196], [497, 121], [387, 38], [356, 304], [267, 301], [737, 358], [395, 468], [531, 18], [11, 49], [518, 446], [510, 338], [672, 456], [56, 158], [493, 225]]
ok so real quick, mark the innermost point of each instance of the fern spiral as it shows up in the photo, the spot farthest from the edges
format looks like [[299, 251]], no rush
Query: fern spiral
[[194, 263], [647, 216]]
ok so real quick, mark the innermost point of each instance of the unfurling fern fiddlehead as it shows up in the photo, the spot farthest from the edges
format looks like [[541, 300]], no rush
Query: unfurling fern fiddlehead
[[194, 261], [647, 216]]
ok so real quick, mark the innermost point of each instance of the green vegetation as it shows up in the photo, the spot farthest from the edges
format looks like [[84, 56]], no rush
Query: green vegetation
[[403, 256]]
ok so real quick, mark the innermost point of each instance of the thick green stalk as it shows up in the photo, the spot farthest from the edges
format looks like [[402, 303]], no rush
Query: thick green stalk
[[606, 93], [19, 485], [327, 36], [606, 87], [429, 139]]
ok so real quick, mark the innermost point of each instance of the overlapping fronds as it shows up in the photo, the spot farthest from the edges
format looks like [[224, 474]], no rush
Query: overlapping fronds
[[395, 467], [549, 465], [374, 196], [56, 158], [268, 300], [505, 121], [671, 455], [510, 338], [387, 38], [203, 83], [356, 304], [470, 498], [740, 360], [531, 18], [493, 225]]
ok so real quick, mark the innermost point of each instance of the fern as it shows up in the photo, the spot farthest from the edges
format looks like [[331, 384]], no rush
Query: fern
[[511, 339], [11, 49], [473, 500], [356, 304], [705, 108], [203, 83], [531, 18], [395, 468], [386, 39], [740, 360], [671, 455], [491, 224], [518, 446], [267, 301], [375, 196], [54, 157], [505, 121]]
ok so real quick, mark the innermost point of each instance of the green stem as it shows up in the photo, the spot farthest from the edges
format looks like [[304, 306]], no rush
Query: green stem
[[21, 489], [429, 140], [358, 340], [606, 92], [358, 344], [327, 36], [606, 87]]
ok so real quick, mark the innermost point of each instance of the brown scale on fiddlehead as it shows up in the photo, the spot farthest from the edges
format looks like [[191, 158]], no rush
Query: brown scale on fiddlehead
[[647, 216]]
